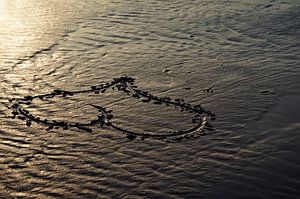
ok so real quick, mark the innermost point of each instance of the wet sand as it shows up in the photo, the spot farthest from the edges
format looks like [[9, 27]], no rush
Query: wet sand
[[237, 59], [273, 171]]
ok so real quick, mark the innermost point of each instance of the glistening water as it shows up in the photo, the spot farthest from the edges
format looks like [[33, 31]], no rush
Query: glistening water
[[246, 53]]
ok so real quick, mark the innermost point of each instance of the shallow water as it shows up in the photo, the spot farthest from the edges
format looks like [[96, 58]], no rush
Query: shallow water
[[248, 53]]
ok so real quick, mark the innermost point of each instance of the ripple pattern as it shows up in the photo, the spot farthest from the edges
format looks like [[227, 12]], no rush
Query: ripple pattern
[[236, 58]]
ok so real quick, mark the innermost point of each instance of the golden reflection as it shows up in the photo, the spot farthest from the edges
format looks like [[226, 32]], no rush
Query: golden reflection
[[26, 27], [18, 27]]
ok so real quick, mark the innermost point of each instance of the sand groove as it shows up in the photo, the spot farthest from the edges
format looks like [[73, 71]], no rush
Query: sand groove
[[126, 85]]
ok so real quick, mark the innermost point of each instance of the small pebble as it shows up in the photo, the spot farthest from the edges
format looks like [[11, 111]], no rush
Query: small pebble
[[28, 123], [130, 136]]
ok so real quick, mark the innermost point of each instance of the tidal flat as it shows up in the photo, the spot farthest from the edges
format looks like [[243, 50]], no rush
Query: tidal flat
[[149, 99]]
